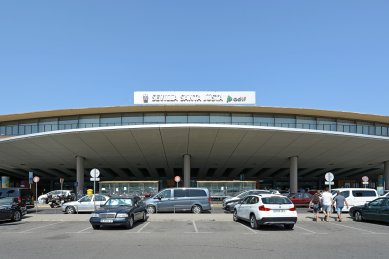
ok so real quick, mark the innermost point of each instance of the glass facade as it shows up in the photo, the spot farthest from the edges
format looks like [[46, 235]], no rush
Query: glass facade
[[25, 127], [221, 189], [124, 188]]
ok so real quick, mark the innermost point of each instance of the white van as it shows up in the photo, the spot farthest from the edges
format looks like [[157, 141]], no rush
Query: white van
[[356, 196]]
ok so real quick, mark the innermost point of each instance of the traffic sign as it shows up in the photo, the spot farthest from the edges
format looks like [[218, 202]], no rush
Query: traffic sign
[[93, 179], [365, 179], [30, 176], [329, 176], [329, 183], [94, 172], [36, 179], [365, 183], [177, 179]]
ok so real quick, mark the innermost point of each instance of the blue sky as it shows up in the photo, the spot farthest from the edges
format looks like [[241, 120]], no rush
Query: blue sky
[[313, 54]]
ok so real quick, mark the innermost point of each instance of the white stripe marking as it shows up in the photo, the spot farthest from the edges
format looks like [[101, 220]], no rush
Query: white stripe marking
[[28, 230], [84, 230], [360, 229], [140, 230], [195, 227], [312, 232], [246, 227]]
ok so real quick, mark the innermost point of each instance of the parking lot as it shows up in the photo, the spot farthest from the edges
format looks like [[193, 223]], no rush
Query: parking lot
[[190, 236]]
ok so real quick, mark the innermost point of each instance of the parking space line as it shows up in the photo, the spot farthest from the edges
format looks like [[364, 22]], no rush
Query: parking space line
[[143, 227], [195, 227], [84, 230], [360, 229], [251, 230], [199, 232], [310, 231], [28, 230]]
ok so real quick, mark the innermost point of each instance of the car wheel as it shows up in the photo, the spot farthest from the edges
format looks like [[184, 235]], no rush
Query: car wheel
[[96, 226], [144, 216], [235, 216], [17, 216], [150, 209], [70, 210], [358, 216], [289, 226], [196, 209], [130, 223], [253, 222]]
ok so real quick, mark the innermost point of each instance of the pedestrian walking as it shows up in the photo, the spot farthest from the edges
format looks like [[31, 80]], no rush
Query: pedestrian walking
[[326, 202], [316, 205], [339, 202]]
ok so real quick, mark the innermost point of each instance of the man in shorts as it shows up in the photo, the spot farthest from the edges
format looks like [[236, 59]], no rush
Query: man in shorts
[[326, 203], [339, 201], [316, 205]]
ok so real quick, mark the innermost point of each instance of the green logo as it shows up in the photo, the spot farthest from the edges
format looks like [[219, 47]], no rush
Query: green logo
[[229, 99]]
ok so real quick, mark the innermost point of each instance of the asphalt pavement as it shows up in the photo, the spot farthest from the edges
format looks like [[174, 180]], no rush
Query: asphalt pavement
[[45, 213], [191, 237]]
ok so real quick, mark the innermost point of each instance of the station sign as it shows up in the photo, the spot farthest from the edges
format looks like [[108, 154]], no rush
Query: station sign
[[197, 98]]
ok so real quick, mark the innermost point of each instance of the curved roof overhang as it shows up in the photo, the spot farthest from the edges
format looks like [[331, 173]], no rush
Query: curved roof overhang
[[198, 108], [155, 151]]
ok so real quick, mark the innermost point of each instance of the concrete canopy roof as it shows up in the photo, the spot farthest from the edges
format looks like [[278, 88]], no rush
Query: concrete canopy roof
[[155, 151], [198, 108]]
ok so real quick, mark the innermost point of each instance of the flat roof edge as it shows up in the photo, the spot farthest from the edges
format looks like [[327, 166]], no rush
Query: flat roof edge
[[197, 108]]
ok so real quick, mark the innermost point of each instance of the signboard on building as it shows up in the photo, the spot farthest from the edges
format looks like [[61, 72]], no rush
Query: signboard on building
[[198, 98]]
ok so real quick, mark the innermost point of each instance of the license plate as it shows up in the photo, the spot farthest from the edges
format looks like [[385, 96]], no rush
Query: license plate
[[279, 211], [106, 220]]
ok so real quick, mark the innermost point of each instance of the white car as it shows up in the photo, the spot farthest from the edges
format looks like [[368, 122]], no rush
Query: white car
[[85, 204], [356, 196], [266, 209]]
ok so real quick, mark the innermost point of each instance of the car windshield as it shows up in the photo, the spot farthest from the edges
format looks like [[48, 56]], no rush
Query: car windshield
[[242, 195], [276, 200], [119, 202], [6, 201]]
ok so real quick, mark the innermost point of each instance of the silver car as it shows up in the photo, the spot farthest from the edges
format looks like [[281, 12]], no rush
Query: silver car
[[88, 203], [229, 203], [193, 199]]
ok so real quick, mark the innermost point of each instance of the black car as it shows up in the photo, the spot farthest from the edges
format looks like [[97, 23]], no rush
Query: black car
[[10, 209], [119, 212], [23, 195], [376, 210]]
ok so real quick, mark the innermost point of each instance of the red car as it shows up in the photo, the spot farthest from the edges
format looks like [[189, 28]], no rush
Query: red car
[[301, 198]]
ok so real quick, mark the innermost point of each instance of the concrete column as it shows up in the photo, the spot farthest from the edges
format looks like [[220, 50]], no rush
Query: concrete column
[[386, 175], [293, 162], [186, 170], [80, 174]]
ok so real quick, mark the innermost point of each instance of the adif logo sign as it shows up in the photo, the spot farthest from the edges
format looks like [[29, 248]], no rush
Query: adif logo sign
[[198, 98], [241, 99]]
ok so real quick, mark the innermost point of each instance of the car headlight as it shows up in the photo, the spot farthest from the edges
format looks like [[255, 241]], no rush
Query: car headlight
[[95, 215], [122, 215]]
